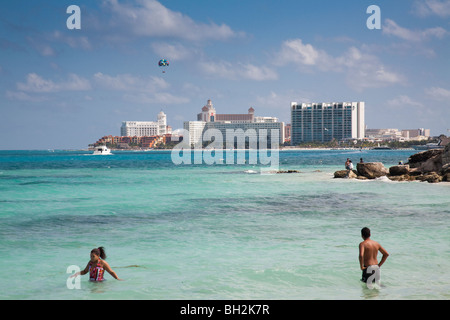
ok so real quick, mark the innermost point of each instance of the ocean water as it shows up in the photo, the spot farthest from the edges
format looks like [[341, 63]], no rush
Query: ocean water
[[216, 231]]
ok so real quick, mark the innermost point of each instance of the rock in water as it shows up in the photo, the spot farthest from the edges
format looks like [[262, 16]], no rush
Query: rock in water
[[399, 170], [431, 177], [446, 160], [371, 170], [340, 174], [427, 161], [352, 174], [403, 177], [345, 174]]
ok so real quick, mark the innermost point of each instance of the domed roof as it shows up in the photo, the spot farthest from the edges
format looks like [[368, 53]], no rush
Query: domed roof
[[205, 108]]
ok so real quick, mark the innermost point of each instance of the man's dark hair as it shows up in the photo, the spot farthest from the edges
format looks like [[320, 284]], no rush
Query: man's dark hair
[[365, 232]]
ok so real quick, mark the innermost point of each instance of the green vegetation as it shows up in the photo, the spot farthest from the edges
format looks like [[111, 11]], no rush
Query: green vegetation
[[363, 144]]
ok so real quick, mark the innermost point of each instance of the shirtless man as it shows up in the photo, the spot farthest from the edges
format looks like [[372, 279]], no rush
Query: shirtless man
[[368, 251]]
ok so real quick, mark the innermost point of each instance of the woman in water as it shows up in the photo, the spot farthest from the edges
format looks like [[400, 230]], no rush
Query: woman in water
[[97, 266]]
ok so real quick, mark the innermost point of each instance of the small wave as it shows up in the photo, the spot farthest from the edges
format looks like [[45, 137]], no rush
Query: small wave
[[383, 179], [251, 171]]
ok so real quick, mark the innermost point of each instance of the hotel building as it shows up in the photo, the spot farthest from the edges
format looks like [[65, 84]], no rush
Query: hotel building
[[324, 122], [397, 135], [209, 119], [145, 128]]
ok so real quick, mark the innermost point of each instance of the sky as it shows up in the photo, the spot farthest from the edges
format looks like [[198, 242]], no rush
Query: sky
[[64, 88]]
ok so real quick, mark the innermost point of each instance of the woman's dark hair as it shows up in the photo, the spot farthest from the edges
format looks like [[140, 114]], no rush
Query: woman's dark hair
[[365, 232], [100, 251]]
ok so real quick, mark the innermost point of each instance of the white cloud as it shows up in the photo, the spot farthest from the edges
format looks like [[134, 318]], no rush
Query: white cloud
[[277, 103], [139, 89], [252, 72], [281, 100], [362, 70], [404, 101], [37, 84], [366, 71], [234, 71], [222, 69], [271, 99], [23, 96], [151, 18], [73, 42], [174, 52], [438, 93], [432, 7], [302, 54], [46, 43], [423, 114], [392, 28], [75, 83], [42, 48], [127, 82], [160, 98], [135, 89]]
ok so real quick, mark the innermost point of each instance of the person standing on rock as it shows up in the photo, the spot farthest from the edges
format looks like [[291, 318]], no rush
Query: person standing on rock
[[348, 167]]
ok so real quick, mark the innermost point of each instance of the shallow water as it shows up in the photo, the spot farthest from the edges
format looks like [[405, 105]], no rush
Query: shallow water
[[216, 231]]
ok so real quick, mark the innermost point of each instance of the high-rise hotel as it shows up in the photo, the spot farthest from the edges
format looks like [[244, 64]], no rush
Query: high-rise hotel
[[324, 122], [252, 126]]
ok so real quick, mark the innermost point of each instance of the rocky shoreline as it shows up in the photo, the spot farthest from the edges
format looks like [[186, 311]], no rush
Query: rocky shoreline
[[431, 166]]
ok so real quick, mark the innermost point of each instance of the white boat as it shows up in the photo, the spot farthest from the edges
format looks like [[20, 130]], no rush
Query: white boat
[[101, 150]]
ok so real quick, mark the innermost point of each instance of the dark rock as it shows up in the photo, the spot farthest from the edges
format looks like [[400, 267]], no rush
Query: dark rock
[[403, 177], [446, 160], [417, 160], [431, 177], [345, 174], [399, 170], [446, 177], [445, 169], [431, 166], [288, 171], [414, 172], [371, 170]]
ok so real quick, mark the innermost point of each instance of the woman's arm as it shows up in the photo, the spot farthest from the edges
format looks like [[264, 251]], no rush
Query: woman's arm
[[81, 273], [110, 271]]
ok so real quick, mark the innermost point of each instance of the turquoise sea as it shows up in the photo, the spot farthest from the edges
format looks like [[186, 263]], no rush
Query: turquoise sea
[[216, 231]]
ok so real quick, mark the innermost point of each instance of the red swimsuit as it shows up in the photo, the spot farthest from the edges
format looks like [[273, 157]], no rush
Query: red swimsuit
[[96, 273]]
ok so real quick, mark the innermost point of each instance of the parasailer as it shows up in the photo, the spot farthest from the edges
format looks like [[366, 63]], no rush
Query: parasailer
[[163, 63]]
